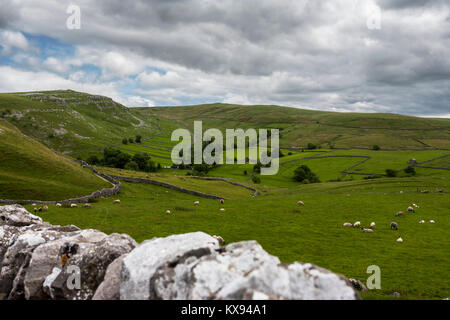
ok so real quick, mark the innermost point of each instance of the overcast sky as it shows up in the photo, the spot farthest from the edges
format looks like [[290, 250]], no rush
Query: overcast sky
[[342, 55]]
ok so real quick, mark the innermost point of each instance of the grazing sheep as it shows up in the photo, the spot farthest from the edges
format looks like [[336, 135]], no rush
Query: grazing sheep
[[116, 201], [394, 225], [348, 224], [400, 239], [415, 206], [40, 209], [432, 221], [222, 209], [59, 205], [45, 208], [34, 204], [372, 225], [167, 212], [367, 230], [219, 239], [73, 205], [357, 224], [87, 205], [222, 201], [300, 203], [422, 221], [196, 203], [400, 213], [411, 209]]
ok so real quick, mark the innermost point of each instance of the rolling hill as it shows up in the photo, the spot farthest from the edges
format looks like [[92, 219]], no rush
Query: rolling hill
[[29, 170], [328, 129], [70, 121]]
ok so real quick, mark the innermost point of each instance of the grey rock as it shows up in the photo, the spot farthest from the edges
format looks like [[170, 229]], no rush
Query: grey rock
[[18, 216], [92, 260], [358, 285], [140, 264], [109, 289]]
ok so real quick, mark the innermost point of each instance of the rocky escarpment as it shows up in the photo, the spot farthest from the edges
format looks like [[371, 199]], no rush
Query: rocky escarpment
[[42, 261]]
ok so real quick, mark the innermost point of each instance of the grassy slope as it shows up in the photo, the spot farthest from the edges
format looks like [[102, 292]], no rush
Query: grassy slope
[[341, 130], [70, 121], [417, 268], [29, 170]]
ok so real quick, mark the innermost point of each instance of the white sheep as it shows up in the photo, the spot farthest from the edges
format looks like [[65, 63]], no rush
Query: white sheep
[[167, 212], [348, 224], [116, 201], [73, 205], [59, 205], [196, 203], [411, 209], [372, 225], [357, 224], [87, 205], [422, 221], [300, 203], [432, 221], [367, 230], [219, 239], [222, 209], [415, 206], [400, 239]]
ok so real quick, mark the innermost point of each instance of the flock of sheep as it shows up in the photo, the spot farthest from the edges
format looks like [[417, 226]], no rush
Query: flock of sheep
[[394, 225]]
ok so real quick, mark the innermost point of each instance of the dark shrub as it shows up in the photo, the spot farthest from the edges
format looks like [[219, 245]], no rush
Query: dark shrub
[[391, 173]]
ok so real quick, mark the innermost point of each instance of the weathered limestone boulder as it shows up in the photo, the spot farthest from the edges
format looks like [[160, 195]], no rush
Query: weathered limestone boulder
[[18, 256], [18, 216], [42, 261], [245, 271], [92, 260], [140, 265], [47, 257], [35, 257], [109, 289], [358, 285]]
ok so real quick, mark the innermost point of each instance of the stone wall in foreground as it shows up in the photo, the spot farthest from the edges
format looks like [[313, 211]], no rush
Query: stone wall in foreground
[[42, 261]]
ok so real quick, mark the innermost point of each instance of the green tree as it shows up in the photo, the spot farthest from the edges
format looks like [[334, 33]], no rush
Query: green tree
[[391, 173], [256, 179], [305, 175], [410, 171], [138, 139], [132, 165], [93, 160]]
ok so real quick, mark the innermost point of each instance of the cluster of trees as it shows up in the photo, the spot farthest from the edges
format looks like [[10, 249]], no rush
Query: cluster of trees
[[118, 159], [138, 139], [304, 175], [409, 171]]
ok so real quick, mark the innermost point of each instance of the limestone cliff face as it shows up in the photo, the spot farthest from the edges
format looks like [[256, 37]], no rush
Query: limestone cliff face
[[42, 261]]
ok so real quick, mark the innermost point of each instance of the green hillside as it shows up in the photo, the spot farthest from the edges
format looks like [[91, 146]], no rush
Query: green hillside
[[328, 129], [29, 170], [70, 121]]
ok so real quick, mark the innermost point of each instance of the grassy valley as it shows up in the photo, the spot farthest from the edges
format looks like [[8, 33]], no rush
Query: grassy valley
[[353, 184]]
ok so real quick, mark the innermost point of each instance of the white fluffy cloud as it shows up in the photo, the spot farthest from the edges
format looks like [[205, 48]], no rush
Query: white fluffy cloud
[[313, 54], [10, 40]]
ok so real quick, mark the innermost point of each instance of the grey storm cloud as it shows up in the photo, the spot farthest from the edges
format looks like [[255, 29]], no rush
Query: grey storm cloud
[[319, 54]]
